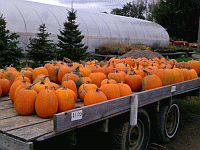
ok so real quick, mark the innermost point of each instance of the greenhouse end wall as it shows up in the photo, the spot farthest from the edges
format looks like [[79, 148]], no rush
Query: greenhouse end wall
[[25, 17]]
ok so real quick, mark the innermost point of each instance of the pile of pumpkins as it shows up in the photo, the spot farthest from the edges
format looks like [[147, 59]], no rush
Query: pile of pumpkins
[[57, 86]]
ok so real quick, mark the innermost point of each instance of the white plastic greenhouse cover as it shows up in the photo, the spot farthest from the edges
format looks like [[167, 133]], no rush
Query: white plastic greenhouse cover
[[25, 17]]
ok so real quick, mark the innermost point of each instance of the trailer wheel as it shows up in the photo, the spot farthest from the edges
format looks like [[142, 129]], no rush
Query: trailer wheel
[[126, 137], [167, 122]]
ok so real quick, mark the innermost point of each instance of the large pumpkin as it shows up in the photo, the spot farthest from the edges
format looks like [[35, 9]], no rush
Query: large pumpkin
[[25, 101], [66, 99], [151, 81], [46, 104], [124, 89]]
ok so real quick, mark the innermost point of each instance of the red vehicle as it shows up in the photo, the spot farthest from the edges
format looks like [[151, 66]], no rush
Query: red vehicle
[[179, 43]]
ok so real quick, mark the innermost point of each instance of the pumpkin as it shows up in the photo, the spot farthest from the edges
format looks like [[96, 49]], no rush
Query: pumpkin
[[81, 80], [41, 78], [110, 90], [23, 78], [24, 85], [13, 88], [97, 78], [193, 74], [118, 77], [174, 76], [70, 77], [25, 101], [40, 86], [194, 65], [134, 80], [46, 103], [164, 75], [108, 80], [84, 88], [70, 84], [151, 81], [0, 91], [66, 99], [38, 71], [62, 71], [28, 74], [5, 86], [124, 89], [183, 65], [53, 72], [94, 96], [85, 70]]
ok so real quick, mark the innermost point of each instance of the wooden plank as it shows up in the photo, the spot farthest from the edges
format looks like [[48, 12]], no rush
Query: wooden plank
[[4, 98], [154, 95], [10, 143], [32, 132], [6, 104], [186, 86], [19, 121], [7, 113], [62, 121]]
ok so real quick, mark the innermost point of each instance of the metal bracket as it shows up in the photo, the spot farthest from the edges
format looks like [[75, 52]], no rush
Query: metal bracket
[[158, 106], [134, 110], [104, 126]]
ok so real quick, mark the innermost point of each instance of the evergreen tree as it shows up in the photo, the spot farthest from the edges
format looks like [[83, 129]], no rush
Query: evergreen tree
[[70, 40], [41, 49], [9, 51]]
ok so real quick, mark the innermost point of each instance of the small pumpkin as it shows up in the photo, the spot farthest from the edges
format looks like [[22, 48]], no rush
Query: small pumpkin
[[5, 86], [118, 77], [84, 88], [70, 84], [97, 78], [38, 71]]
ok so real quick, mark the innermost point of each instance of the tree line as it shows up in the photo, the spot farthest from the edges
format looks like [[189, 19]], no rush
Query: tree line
[[42, 49], [179, 17]]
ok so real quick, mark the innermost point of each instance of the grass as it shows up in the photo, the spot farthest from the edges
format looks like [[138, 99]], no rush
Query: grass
[[189, 105], [185, 58]]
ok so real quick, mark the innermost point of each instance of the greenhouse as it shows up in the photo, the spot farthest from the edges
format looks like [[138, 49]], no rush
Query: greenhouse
[[25, 17]]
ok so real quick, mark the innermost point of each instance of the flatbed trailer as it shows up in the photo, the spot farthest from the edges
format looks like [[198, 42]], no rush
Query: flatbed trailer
[[21, 132]]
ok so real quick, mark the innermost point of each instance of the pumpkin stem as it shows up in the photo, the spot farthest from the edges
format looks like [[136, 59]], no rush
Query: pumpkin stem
[[132, 72], [88, 82], [98, 90], [29, 87], [147, 72]]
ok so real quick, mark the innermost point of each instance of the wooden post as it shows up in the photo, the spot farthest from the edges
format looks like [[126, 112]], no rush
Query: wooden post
[[134, 110], [198, 36]]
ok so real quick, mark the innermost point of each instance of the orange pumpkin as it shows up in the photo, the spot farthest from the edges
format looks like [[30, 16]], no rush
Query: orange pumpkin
[[25, 101], [70, 84], [84, 88], [46, 104], [134, 80], [38, 71], [151, 81], [97, 78], [118, 77], [5, 86], [66, 99], [124, 89], [94, 96], [110, 90], [62, 71]]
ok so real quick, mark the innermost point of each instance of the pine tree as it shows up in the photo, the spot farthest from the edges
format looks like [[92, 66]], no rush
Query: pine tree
[[70, 40], [41, 49], [9, 51]]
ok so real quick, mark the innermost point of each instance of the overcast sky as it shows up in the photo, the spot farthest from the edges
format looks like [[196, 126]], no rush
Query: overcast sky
[[88, 5]]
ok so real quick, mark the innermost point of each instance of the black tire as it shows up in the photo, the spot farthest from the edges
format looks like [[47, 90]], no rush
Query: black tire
[[167, 122], [126, 137]]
